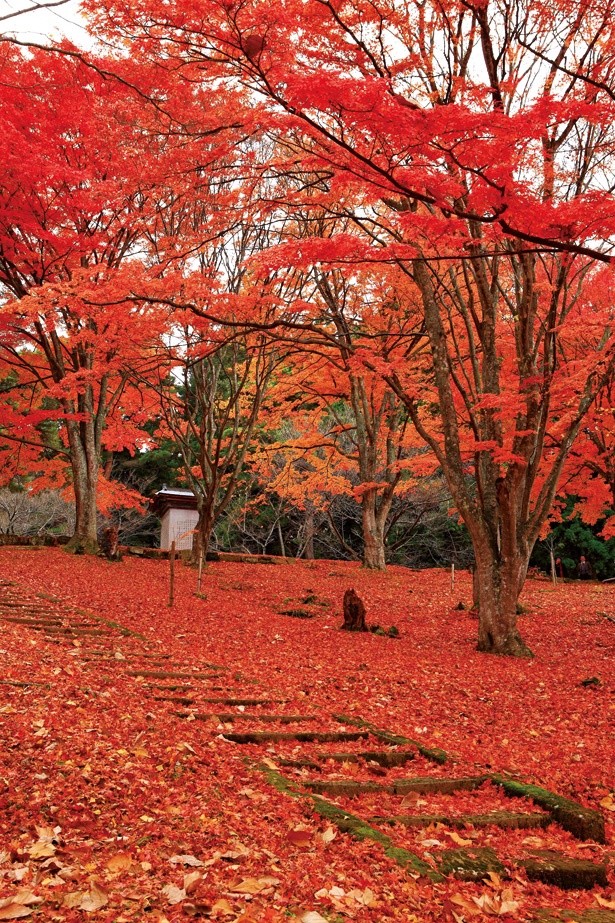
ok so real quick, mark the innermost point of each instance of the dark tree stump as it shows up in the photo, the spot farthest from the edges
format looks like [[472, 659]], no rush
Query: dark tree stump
[[354, 612], [109, 544]]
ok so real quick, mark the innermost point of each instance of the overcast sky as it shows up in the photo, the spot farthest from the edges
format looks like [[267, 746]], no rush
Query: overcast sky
[[41, 25]]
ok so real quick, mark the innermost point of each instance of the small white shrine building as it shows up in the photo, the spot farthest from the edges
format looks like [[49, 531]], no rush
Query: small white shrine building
[[179, 516]]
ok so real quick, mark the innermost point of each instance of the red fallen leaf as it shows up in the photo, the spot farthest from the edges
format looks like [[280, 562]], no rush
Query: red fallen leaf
[[301, 838]]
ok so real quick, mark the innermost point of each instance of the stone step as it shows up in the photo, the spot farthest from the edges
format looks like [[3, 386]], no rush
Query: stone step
[[261, 737], [33, 623], [421, 785], [504, 819], [243, 701], [470, 864], [241, 716], [75, 631], [387, 758], [169, 674], [584, 823], [594, 915], [563, 872]]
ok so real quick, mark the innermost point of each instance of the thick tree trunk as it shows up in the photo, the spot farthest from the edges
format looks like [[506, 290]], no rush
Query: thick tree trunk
[[499, 580], [475, 588], [85, 468], [373, 533]]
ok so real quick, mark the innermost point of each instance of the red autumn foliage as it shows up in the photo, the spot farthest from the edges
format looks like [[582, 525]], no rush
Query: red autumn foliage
[[142, 797]]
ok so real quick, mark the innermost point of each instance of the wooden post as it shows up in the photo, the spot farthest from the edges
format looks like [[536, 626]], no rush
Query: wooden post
[[198, 579], [452, 578], [171, 574], [553, 571]]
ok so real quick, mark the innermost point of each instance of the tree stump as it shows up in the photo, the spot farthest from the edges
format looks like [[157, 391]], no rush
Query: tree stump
[[354, 612], [109, 544]]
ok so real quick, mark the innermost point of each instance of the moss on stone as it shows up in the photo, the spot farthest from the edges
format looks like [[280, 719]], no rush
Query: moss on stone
[[469, 864], [435, 754], [582, 822], [409, 860], [563, 872]]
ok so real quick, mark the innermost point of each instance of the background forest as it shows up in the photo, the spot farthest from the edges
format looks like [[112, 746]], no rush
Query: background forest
[[350, 285]]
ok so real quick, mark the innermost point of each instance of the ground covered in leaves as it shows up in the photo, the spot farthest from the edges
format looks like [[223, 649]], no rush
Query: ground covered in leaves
[[116, 804]]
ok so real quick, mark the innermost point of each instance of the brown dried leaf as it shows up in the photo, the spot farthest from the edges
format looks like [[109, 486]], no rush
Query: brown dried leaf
[[191, 880], [248, 886], [173, 894], [41, 850], [94, 898], [223, 907], [119, 863]]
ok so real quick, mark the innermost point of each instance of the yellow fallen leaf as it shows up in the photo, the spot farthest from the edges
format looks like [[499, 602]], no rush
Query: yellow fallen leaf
[[458, 839], [222, 906], [42, 850], [119, 863], [610, 905]]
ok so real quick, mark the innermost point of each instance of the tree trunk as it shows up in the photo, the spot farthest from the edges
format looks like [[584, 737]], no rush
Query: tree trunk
[[200, 545], [308, 550], [85, 467], [475, 588], [499, 580], [373, 533]]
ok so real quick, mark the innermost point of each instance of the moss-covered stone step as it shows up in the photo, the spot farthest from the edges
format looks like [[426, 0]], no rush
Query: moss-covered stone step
[[469, 864], [421, 785], [299, 764], [75, 631], [597, 915], [242, 716], [260, 737], [142, 656], [563, 872], [176, 699], [354, 826], [387, 758], [243, 701], [503, 819], [583, 823], [169, 674], [31, 622], [435, 754]]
